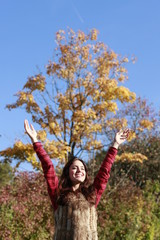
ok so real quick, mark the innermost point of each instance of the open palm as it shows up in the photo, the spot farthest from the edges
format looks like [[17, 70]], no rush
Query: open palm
[[30, 131], [121, 136]]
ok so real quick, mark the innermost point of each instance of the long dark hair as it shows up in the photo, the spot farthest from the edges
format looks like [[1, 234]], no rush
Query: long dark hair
[[65, 185]]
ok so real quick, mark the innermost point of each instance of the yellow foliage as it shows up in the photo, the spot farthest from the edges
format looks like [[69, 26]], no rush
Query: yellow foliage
[[106, 88], [125, 59], [121, 78], [64, 101], [131, 136], [93, 144], [123, 70], [57, 150], [112, 55], [85, 52], [140, 129], [52, 125], [114, 123], [24, 152], [36, 83], [124, 95], [145, 123], [31, 158], [112, 107], [42, 135], [81, 36], [94, 34], [131, 157], [24, 97], [91, 114], [55, 129]]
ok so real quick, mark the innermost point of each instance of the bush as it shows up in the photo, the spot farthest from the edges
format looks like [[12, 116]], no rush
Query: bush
[[25, 209], [130, 213]]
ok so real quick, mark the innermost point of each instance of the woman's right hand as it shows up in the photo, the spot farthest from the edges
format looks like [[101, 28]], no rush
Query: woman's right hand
[[31, 132]]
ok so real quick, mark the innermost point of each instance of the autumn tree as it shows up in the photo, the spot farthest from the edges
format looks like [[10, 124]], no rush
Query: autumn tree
[[73, 100]]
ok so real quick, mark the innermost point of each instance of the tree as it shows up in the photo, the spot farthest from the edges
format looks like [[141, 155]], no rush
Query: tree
[[72, 101]]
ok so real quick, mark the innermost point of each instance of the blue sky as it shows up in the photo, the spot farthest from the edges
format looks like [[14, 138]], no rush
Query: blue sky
[[27, 42]]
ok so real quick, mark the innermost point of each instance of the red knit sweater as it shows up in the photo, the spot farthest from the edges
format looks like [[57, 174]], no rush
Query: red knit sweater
[[100, 180]]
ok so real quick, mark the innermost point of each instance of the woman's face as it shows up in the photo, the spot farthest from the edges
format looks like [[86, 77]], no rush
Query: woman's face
[[77, 172]]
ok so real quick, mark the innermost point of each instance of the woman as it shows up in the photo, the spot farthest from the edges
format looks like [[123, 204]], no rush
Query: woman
[[74, 198]]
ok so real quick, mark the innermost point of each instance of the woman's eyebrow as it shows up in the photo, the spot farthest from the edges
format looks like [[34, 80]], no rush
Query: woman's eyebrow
[[78, 166]]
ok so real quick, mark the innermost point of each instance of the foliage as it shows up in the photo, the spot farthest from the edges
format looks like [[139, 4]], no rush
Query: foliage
[[25, 210], [144, 148], [130, 213], [6, 173], [74, 99], [140, 116]]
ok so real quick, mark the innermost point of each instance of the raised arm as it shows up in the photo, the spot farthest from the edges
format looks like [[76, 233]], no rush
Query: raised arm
[[47, 165], [103, 175]]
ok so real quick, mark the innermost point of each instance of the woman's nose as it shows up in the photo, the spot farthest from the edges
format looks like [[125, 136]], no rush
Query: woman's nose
[[78, 170]]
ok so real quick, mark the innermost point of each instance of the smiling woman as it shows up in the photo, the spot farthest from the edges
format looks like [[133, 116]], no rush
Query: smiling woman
[[74, 197]]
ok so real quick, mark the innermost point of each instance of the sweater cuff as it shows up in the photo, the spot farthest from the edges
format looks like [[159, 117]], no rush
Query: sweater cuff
[[36, 145]]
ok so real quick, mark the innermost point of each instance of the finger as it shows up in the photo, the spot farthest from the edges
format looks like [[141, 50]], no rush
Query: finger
[[124, 134], [123, 138], [32, 128], [126, 130], [120, 132], [25, 124]]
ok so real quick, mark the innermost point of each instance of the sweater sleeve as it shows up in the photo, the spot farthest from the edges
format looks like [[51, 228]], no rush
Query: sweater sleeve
[[49, 172], [103, 175]]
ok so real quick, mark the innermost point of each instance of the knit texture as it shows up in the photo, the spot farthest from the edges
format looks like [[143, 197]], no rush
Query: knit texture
[[77, 220]]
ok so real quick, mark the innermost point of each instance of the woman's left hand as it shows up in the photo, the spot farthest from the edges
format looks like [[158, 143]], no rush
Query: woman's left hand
[[121, 137]]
